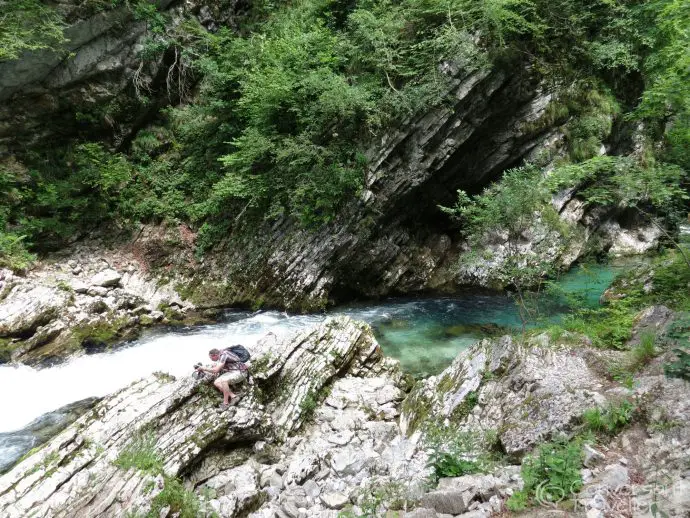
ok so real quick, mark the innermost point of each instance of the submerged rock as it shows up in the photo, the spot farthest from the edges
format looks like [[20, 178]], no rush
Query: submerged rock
[[13, 445]]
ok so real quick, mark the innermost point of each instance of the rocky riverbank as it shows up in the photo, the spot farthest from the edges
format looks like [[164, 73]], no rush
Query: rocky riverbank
[[329, 429], [89, 297]]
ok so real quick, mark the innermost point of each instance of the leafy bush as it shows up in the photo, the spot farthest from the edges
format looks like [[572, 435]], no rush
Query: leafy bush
[[180, 501], [612, 181], [550, 474], [13, 252], [510, 208], [455, 453], [27, 25], [447, 465], [80, 191]]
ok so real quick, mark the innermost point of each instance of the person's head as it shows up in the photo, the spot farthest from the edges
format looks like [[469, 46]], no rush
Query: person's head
[[214, 354]]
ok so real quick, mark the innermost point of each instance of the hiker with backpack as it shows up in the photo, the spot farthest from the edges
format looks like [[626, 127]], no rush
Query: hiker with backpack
[[230, 369]]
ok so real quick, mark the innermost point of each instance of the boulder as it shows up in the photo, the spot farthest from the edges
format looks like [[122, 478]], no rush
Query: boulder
[[525, 391], [107, 278], [26, 307], [444, 501], [334, 500], [473, 487]]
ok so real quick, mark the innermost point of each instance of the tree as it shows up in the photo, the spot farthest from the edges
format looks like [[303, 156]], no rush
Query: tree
[[510, 211], [27, 25]]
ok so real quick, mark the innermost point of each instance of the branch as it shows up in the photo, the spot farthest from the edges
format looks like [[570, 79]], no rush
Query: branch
[[390, 83]]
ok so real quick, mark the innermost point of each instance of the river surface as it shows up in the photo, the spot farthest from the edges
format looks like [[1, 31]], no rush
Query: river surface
[[424, 334]]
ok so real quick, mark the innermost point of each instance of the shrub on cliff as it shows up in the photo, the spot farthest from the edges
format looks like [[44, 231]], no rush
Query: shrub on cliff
[[289, 103]]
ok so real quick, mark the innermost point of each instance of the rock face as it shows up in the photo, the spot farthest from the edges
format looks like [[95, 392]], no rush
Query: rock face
[[78, 472], [394, 239], [89, 87]]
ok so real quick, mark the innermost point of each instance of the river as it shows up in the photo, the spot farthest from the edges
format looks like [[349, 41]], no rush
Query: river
[[425, 334]]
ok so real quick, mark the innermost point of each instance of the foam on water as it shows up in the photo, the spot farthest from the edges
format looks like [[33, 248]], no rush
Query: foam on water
[[27, 392]]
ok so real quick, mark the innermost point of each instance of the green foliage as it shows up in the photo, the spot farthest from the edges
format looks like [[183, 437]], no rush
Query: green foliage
[[670, 279], [508, 209], [644, 352], [447, 465], [308, 405], [148, 10], [465, 408], [551, 474], [609, 327], [80, 191], [518, 501], [611, 420], [289, 104], [180, 501], [456, 453], [141, 454], [312, 400], [13, 252], [612, 181], [667, 73], [27, 25]]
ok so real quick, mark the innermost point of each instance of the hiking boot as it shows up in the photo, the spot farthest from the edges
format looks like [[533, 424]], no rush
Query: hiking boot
[[235, 400], [224, 406]]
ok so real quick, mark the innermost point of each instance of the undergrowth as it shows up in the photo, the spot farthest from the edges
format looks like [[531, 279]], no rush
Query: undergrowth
[[455, 453], [611, 420], [141, 454]]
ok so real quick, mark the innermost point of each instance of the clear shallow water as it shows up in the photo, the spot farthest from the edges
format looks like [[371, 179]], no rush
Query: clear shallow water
[[424, 334]]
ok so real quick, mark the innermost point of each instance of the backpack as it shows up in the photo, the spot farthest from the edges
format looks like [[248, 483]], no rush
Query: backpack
[[243, 356], [239, 351]]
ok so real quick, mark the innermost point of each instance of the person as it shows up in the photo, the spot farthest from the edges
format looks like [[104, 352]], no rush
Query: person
[[229, 370]]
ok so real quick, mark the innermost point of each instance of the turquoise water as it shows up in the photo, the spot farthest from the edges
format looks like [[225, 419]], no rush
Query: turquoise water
[[427, 334]]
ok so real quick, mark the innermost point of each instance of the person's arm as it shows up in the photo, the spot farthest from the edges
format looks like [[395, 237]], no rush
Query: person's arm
[[213, 370]]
